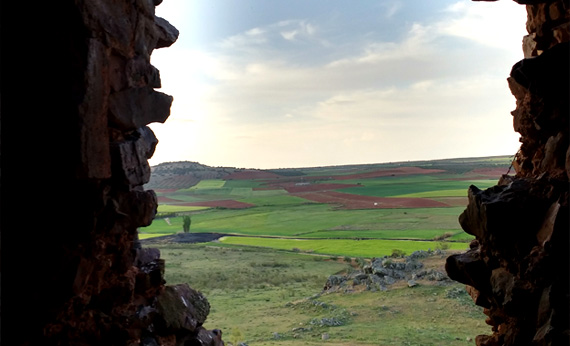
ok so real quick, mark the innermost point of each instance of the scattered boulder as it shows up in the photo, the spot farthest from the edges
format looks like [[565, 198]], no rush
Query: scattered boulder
[[385, 271], [412, 283]]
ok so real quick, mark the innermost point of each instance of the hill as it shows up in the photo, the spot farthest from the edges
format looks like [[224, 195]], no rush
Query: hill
[[185, 174]]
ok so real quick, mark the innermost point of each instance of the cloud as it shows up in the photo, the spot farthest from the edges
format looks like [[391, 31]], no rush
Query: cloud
[[300, 30], [252, 37], [428, 92], [499, 25], [391, 8]]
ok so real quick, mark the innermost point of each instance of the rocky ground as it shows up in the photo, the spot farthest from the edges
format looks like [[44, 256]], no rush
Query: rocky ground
[[382, 273]]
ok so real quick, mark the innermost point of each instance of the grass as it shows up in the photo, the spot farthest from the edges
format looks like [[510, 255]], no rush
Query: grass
[[436, 193], [173, 208], [343, 247], [297, 220], [271, 297], [421, 234], [410, 186], [259, 286]]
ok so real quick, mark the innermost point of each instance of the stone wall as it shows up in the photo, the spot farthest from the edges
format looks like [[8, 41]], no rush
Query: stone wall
[[81, 95], [518, 266], [89, 94]]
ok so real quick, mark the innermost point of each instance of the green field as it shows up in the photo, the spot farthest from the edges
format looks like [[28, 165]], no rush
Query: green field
[[343, 247], [266, 297], [264, 278], [276, 212]]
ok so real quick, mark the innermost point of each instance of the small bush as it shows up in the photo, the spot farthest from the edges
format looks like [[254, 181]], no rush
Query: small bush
[[443, 236], [187, 221], [442, 245], [398, 253]]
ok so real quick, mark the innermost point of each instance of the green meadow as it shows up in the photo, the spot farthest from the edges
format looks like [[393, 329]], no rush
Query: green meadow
[[264, 277], [268, 297], [344, 247]]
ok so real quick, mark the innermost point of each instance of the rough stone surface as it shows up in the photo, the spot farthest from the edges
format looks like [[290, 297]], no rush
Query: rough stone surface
[[383, 272], [90, 94], [518, 266]]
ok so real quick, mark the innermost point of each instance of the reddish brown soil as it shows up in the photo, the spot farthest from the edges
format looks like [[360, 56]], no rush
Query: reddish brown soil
[[226, 203], [252, 174], [491, 172], [389, 172], [351, 201], [294, 188]]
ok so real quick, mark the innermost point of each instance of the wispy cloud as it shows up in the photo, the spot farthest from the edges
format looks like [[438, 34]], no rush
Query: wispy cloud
[[279, 95]]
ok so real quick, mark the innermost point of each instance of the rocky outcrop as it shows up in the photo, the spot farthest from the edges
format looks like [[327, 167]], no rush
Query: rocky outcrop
[[383, 272], [517, 268], [84, 278]]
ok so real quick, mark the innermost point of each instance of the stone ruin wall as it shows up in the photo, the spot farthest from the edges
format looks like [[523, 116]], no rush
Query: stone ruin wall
[[517, 269], [90, 283], [87, 281]]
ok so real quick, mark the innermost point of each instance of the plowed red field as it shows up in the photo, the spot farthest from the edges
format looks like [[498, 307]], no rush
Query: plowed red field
[[350, 201], [252, 174], [389, 172], [294, 188], [491, 172]]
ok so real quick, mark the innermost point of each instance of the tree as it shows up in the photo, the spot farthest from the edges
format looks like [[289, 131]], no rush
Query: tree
[[187, 221]]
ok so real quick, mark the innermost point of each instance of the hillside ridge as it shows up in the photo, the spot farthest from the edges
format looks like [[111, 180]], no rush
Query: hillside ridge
[[185, 174]]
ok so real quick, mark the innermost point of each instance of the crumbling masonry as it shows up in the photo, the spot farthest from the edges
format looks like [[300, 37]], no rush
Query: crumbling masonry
[[80, 99], [518, 266]]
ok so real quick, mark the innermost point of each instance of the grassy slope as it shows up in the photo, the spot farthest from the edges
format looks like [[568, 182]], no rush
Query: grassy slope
[[258, 292], [298, 220], [279, 214], [343, 247]]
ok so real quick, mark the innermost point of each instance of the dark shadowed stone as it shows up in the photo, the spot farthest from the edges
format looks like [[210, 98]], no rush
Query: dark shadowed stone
[[502, 285], [547, 74], [147, 142], [206, 338], [142, 206], [94, 134], [146, 255], [168, 33], [141, 73], [130, 157], [182, 308], [133, 108], [468, 268]]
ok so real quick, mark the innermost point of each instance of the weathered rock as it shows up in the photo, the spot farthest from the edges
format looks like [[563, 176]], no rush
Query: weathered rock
[[90, 96], [519, 264], [334, 280], [208, 338], [133, 108], [168, 33], [181, 309], [383, 272]]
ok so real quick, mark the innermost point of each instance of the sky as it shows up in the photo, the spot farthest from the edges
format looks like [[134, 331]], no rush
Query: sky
[[305, 83]]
